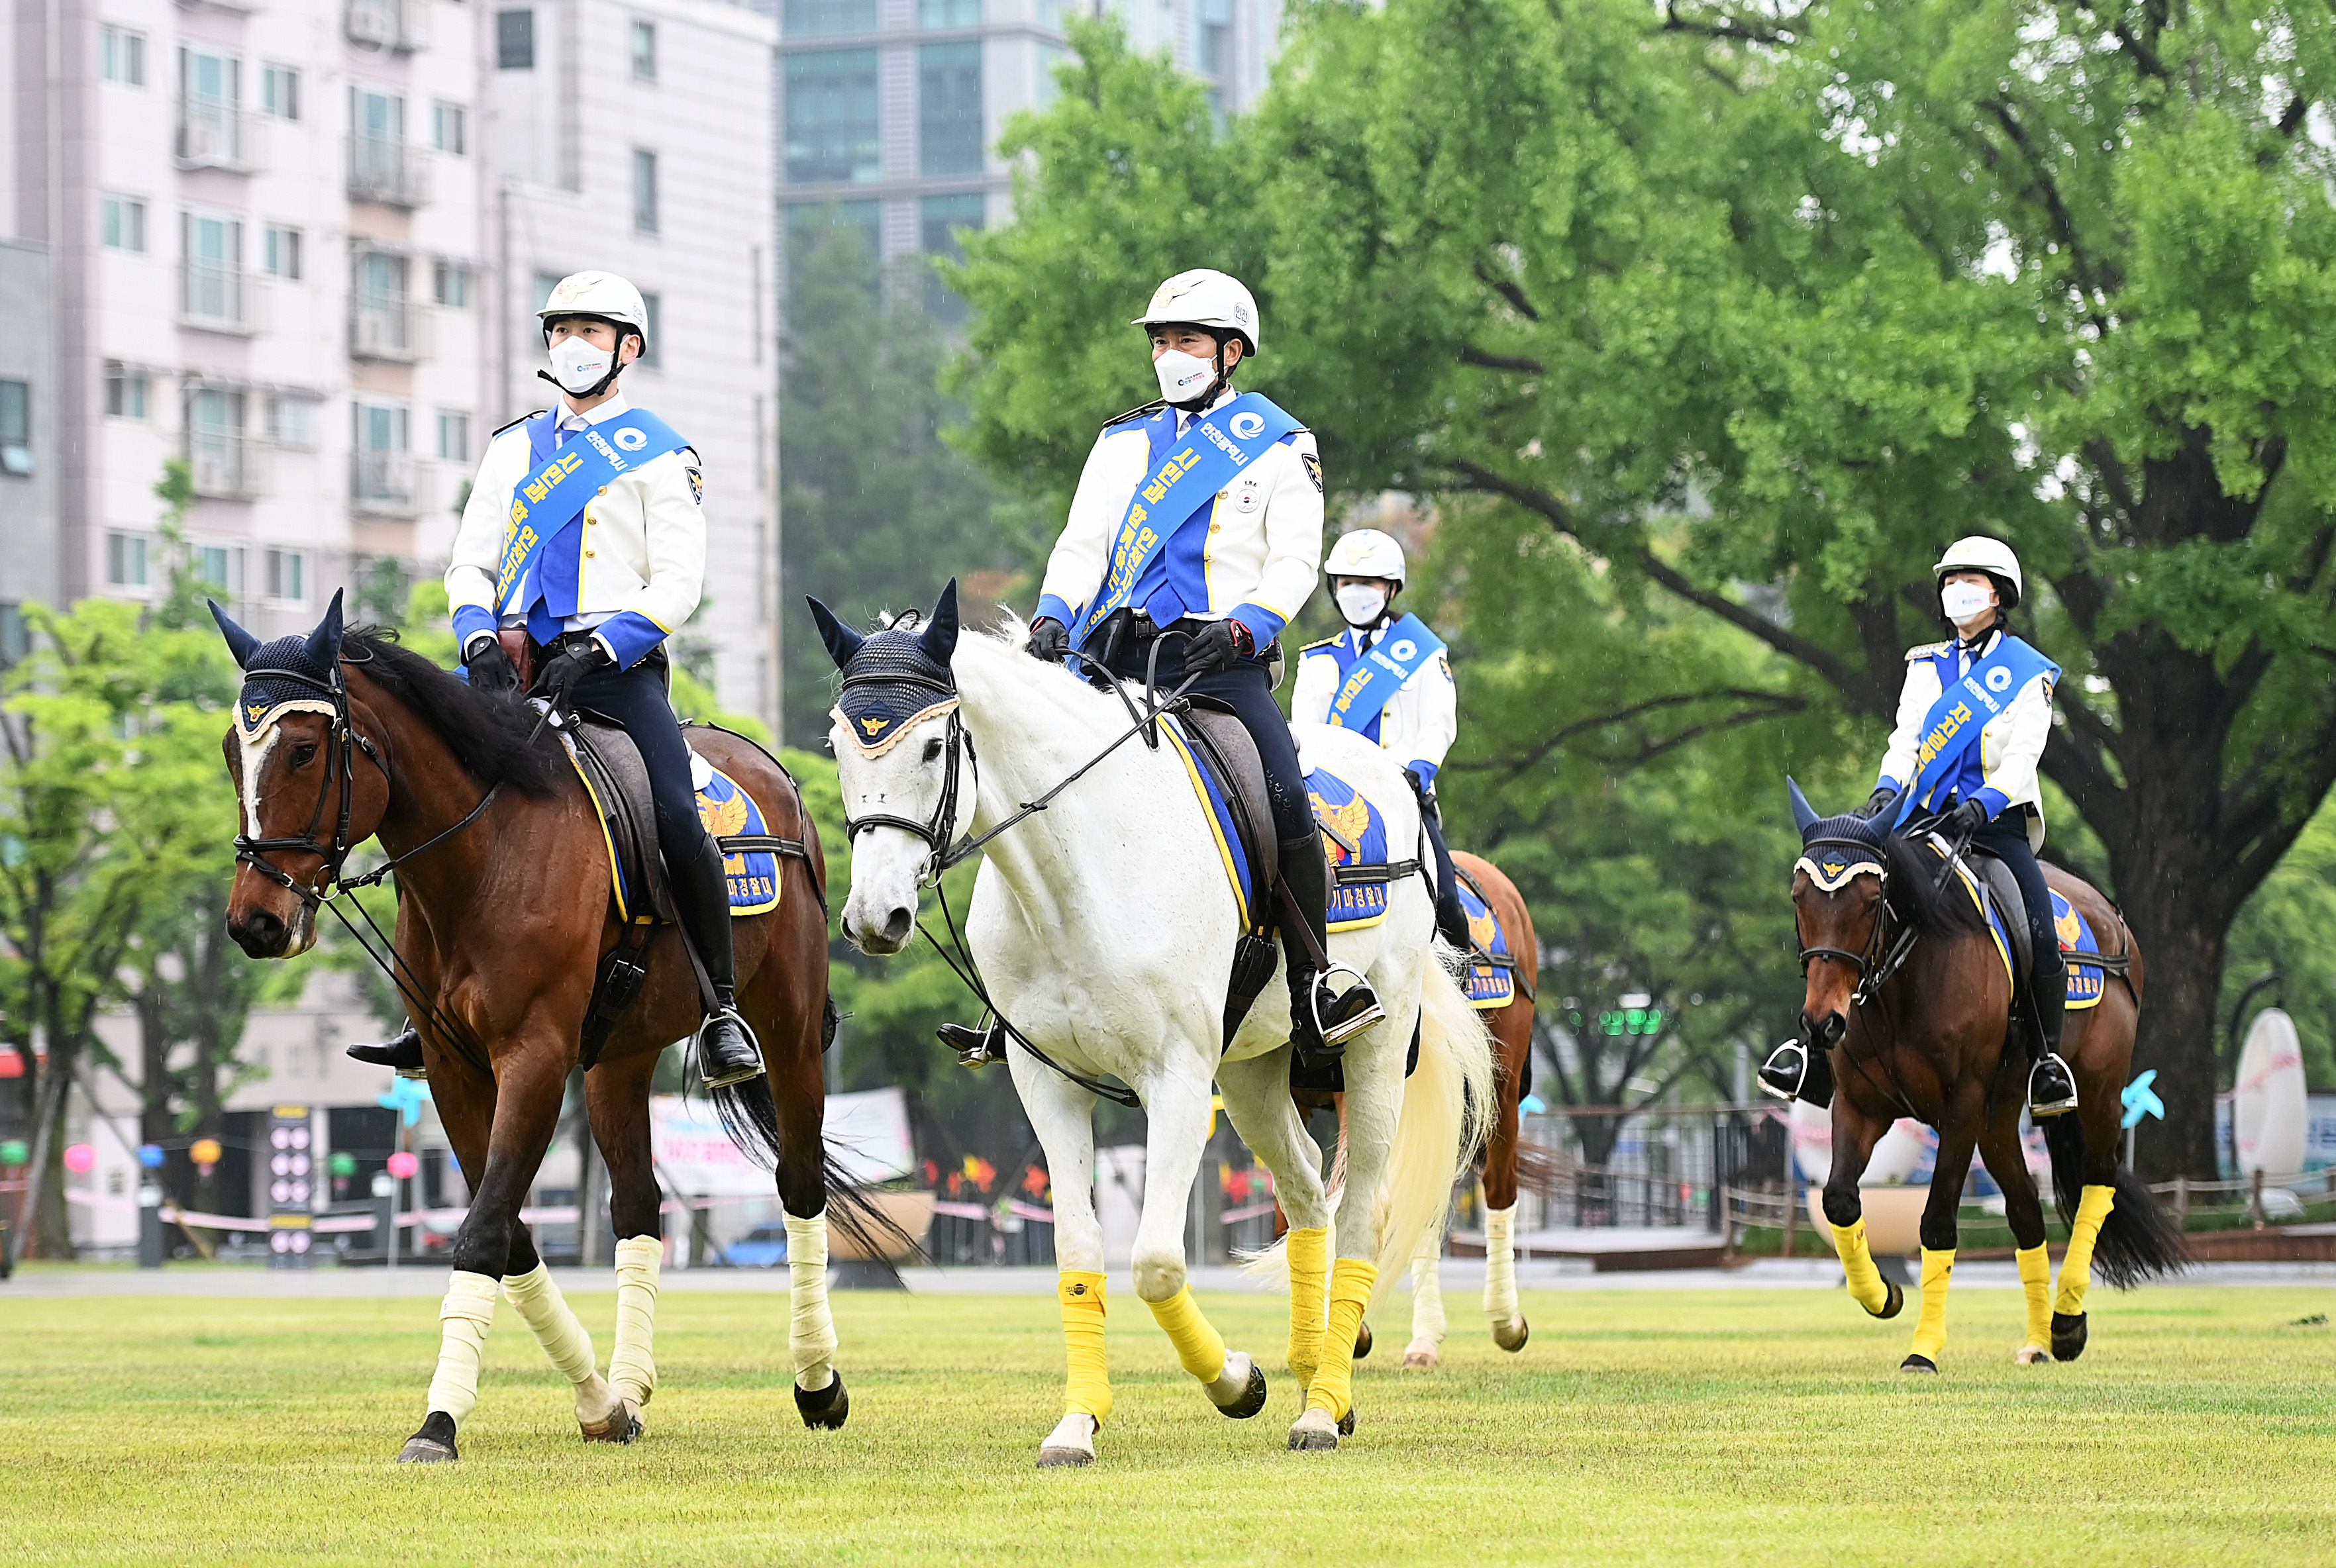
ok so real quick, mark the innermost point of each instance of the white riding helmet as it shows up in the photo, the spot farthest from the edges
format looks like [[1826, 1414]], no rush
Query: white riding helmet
[[1204, 297], [600, 294], [1365, 553], [1978, 553]]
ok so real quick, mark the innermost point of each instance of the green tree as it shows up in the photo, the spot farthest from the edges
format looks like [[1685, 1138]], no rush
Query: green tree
[[2283, 936], [1763, 307]]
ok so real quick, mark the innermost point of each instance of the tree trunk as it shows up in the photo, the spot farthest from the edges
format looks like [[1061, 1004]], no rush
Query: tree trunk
[[155, 1123], [2181, 941]]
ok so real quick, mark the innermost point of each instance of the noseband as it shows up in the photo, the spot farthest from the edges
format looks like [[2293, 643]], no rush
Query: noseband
[[343, 741], [1871, 967]]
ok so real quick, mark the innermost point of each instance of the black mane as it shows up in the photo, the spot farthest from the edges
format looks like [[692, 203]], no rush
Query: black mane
[[1916, 895], [487, 731]]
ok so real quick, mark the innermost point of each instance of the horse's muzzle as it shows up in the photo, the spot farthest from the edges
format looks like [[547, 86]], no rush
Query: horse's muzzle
[[264, 934], [899, 926], [1826, 1031]]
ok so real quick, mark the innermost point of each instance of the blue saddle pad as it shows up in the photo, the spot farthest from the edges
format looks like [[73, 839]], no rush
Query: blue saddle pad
[[1490, 986], [2087, 983], [729, 812], [1353, 834]]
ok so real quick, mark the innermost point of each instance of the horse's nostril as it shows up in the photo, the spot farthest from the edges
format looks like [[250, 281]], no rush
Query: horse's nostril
[[1834, 1026], [897, 925]]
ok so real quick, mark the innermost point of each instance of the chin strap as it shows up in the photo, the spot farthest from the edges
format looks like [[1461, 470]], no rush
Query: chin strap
[[595, 390]]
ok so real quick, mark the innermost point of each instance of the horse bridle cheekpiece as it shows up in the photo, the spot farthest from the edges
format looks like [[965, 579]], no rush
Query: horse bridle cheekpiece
[[299, 675]]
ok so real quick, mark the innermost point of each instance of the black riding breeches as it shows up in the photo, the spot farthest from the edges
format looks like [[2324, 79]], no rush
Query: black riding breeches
[[1248, 691], [2006, 838], [636, 698], [1431, 816]]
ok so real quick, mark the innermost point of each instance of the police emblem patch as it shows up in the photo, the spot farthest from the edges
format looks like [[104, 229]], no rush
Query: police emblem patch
[[1313, 469], [696, 485]]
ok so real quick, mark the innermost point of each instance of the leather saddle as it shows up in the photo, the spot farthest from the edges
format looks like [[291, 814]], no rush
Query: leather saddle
[[1223, 746], [1995, 880]]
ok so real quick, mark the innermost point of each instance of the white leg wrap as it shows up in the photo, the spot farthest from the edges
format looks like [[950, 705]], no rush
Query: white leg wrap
[[462, 1321], [632, 1362], [1427, 1297], [1500, 1266], [810, 1330], [564, 1339]]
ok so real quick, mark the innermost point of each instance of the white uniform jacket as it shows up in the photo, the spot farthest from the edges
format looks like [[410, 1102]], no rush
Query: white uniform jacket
[[640, 551], [1257, 564], [2002, 773], [1418, 723]]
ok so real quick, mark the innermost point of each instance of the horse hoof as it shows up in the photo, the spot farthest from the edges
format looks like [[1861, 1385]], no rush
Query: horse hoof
[[434, 1444], [1894, 1302], [1512, 1336], [2067, 1336], [1065, 1458], [1362, 1340], [1315, 1433], [1422, 1355], [1252, 1395], [824, 1408], [623, 1424], [1347, 1423], [1921, 1365], [2031, 1356]]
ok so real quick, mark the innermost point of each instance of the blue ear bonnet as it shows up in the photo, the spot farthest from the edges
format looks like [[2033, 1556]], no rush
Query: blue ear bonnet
[[288, 674], [891, 681], [1838, 829]]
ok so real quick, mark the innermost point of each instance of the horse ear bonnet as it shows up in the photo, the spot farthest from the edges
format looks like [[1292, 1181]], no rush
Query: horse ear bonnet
[[291, 675], [893, 679]]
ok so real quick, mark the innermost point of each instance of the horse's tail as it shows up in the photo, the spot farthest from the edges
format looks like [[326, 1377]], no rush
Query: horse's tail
[[750, 1118], [2137, 1241]]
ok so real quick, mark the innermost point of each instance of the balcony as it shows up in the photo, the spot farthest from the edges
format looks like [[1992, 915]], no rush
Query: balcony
[[219, 298], [388, 172], [398, 26], [383, 484], [228, 465], [394, 329], [214, 135]]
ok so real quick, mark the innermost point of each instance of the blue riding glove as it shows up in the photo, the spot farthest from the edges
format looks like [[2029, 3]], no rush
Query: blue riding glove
[[1217, 647], [575, 661]]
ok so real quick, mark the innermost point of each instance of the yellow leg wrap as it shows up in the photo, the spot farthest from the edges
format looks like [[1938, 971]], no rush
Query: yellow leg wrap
[[2036, 1284], [462, 1321], [1088, 1390], [1930, 1327], [811, 1326], [1865, 1286], [2076, 1268], [1333, 1388], [632, 1360], [546, 1312], [1309, 1282], [1200, 1348]]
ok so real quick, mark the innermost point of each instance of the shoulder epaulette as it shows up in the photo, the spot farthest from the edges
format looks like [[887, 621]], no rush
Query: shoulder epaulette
[[1311, 647], [516, 423], [1146, 411], [1926, 651]]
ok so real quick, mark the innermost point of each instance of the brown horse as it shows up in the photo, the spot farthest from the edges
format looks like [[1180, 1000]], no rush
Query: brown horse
[[1511, 1026], [504, 915], [1910, 993]]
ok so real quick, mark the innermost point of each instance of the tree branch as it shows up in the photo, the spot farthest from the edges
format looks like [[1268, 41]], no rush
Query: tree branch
[[1476, 356], [1728, 28], [2091, 279], [1774, 702], [1507, 287]]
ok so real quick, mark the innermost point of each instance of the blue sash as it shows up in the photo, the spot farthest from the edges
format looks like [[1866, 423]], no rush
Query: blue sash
[[1953, 724], [553, 496], [1216, 449], [1373, 680]]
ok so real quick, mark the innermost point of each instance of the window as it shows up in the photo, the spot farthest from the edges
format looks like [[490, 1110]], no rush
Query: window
[[208, 80], [122, 56], [216, 449], [15, 635], [645, 190], [940, 219], [279, 91], [931, 13], [949, 108], [125, 392], [644, 51], [222, 566], [377, 117], [125, 223], [854, 227], [16, 428], [545, 281], [827, 18], [215, 287], [380, 278], [279, 251], [287, 575], [514, 40], [453, 437], [125, 560], [1216, 23], [291, 421], [831, 120], [447, 131], [653, 328], [380, 428], [452, 285]]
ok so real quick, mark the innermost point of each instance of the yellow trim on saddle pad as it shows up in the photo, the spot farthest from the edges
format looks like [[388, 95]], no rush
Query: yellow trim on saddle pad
[[1175, 733], [734, 867], [600, 821]]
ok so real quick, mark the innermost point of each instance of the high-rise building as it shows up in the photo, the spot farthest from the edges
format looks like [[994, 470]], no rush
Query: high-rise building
[[300, 244], [889, 111]]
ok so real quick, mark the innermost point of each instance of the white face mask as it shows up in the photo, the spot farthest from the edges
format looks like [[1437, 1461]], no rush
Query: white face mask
[[1362, 603], [1962, 601], [1182, 377], [578, 365]]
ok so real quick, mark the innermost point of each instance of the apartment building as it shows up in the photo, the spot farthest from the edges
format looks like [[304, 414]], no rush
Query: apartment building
[[300, 244], [889, 111]]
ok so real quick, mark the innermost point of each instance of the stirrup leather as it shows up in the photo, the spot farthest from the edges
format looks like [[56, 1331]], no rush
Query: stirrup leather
[[2063, 1092], [1786, 1070], [1352, 1010]]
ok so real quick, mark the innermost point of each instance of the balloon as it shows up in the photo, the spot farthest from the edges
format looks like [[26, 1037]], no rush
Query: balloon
[[205, 1151], [80, 1158], [149, 1155], [403, 1165], [14, 1152]]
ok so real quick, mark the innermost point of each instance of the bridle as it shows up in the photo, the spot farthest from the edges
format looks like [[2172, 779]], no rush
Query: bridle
[[936, 832], [343, 741]]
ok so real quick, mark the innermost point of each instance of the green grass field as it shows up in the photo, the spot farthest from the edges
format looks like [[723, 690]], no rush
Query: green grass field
[[1708, 1427]]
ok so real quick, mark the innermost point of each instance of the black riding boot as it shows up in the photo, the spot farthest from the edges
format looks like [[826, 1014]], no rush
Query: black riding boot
[[2051, 1086], [1794, 1071], [1451, 916], [1321, 1019], [401, 1050], [726, 1050]]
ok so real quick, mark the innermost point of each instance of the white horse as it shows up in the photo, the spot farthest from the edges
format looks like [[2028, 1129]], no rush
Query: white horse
[[1104, 927]]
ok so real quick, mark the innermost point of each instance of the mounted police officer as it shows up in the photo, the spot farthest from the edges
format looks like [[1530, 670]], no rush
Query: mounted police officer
[[1388, 678], [1986, 785], [584, 533], [1195, 535]]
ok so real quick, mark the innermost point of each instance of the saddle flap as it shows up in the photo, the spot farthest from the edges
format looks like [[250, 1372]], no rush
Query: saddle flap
[[1226, 750], [619, 781], [2012, 907]]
